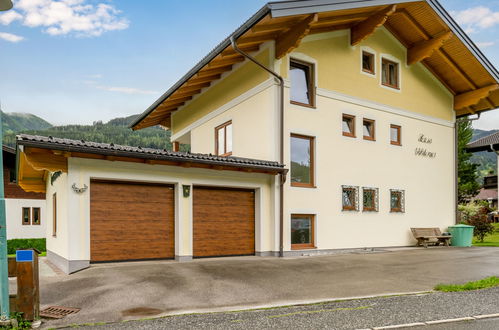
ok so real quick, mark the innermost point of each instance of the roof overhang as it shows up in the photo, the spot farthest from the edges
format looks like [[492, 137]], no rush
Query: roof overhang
[[424, 27]]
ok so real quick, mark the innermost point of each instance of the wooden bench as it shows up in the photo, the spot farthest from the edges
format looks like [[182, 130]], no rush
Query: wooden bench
[[430, 235]]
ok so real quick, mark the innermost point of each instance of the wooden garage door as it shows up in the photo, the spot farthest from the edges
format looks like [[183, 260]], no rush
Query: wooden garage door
[[131, 221], [224, 222]]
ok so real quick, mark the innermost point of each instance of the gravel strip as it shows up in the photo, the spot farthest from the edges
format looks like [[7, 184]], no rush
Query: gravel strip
[[352, 314]]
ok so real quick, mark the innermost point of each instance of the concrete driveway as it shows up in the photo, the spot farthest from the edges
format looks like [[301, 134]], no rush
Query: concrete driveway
[[114, 292]]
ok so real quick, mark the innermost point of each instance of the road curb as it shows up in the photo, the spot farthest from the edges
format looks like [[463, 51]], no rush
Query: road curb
[[423, 324]]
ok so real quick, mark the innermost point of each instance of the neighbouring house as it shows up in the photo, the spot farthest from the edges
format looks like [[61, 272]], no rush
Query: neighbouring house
[[489, 143], [316, 126], [25, 211]]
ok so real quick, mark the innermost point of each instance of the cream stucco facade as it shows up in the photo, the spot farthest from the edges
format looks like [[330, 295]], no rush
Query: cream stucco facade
[[13, 212], [248, 97]]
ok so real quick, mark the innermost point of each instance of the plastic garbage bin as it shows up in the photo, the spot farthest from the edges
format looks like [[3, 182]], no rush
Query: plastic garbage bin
[[462, 235]]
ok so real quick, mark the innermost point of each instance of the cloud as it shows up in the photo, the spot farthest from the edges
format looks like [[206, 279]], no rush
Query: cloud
[[10, 37], [485, 44], [67, 17], [476, 18], [126, 90]]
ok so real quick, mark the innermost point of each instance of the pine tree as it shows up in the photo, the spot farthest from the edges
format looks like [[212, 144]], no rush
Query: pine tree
[[468, 186]]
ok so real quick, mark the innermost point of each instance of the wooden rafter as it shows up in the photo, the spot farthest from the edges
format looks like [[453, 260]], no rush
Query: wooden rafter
[[291, 39], [198, 80], [274, 26], [226, 62], [426, 48], [367, 27], [471, 98], [192, 88], [258, 39]]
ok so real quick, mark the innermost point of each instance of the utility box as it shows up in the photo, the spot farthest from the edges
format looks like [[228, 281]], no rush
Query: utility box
[[25, 268], [462, 235]]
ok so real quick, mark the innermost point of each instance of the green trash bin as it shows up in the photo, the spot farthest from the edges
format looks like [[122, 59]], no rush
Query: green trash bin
[[462, 235]]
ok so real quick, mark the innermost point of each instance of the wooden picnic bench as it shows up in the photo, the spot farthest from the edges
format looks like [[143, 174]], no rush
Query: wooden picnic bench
[[430, 235]]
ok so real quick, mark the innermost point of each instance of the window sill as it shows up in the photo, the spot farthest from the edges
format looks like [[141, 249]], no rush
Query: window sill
[[397, 88], [349, 135], [310, 106], [367, 138], [349, 210], [302, 247], [398, 144], [294, 185]]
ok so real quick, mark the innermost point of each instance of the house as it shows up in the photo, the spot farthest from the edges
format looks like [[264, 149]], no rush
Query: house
[[489, 143], [25, 211], [316, 126]]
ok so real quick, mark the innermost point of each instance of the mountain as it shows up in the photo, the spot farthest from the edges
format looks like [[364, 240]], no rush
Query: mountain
[[17, 122]]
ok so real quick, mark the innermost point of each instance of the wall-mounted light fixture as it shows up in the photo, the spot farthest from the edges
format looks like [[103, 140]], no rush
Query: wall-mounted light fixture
[[187, 190], [79, 190]]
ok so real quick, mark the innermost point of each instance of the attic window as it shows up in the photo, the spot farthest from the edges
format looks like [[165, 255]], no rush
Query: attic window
[[390, 74], [368, 62], [302, 83]]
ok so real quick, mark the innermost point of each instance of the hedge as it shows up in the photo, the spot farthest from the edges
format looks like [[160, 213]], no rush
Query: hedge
[[26, 243]]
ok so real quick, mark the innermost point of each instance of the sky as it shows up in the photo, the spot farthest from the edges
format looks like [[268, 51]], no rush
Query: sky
[[79, 61]]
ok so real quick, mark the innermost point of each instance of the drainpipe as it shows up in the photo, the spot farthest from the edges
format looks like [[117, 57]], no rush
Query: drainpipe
[[282, 176]]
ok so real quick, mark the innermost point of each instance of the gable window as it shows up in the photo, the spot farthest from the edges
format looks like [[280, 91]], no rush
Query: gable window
[[223, 139], [397, 201], [301, 75], [26, 216], [302, 161], [370, 199], [302, 231], [54, 215], [396, 135], [368, 129], [36, 216], [390, 73], [368, 62], [348, 125], [350, 198]]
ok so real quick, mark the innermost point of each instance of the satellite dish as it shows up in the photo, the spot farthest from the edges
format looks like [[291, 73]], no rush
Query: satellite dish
[[5, 5]]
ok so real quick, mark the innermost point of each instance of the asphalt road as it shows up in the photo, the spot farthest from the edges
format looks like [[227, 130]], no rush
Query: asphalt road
[[351, 314]]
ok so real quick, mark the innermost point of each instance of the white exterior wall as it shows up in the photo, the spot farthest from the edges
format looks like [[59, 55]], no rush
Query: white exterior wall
[[58, 244], [13, 211], [74, 221]]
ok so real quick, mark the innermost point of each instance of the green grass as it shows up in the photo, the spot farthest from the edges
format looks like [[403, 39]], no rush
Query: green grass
[[488, 282], [490, 240]]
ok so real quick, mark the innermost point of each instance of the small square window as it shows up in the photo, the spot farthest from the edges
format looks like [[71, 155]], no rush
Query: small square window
[[302, 231], [348, 125], [302, 83], [368, 129], [350, 198], [397, 201], [370, 199], [368, 62], [223, 139], [390, 73], [26, 216], [396, 135], [36, 216]]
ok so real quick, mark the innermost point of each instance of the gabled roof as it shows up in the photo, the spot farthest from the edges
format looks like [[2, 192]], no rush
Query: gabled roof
[[115, 150], [488, 143], [424, 25]]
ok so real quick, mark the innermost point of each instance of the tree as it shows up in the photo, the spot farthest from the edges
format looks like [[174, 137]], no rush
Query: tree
[[468, 185]]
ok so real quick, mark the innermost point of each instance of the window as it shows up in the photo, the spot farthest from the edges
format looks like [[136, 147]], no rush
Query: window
[[302, 83], [302, 231], [36, 216], [370, 199], [350, 196], [223, 139], [368, 62], [390, 74], [397, 201], [26, 216], [302, 161], [348, 125], [368, 128], [54, 215], [396, 135]]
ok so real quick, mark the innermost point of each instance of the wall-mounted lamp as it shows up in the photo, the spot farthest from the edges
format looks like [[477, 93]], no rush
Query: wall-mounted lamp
[[79, 190], [187, 190]]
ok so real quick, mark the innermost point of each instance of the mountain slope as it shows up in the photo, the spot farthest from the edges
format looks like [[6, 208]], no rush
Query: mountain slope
[[16, 122]]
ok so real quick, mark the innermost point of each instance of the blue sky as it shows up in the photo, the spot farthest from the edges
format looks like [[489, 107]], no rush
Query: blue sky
[[78, 61]]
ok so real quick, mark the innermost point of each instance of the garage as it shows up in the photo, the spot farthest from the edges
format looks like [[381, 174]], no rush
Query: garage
[[223, 222], [131, 221]]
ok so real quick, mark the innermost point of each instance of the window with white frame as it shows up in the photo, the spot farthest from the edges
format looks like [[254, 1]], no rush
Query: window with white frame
[[350, 198], [397, 201]]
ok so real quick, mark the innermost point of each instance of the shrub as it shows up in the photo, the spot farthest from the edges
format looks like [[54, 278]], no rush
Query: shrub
[[469, 210], [26, 243], [483, 226]]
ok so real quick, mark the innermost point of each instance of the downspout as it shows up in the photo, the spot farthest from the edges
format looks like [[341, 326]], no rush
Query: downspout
[[282, 175]]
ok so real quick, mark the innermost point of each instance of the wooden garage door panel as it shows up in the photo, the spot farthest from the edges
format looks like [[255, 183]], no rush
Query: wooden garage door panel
[[131, 221], [224, 222]]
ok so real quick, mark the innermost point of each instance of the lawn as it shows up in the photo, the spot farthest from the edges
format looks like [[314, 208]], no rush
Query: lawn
[[488, 282], [490, 240]]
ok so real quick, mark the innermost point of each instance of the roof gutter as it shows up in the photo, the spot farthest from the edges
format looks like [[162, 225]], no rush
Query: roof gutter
[[282, 175], [207, 59]]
